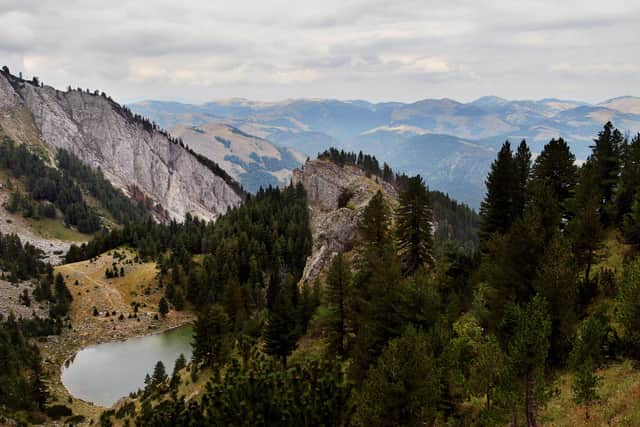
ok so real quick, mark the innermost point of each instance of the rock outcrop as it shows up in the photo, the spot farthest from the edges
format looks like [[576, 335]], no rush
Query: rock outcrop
[[334, 228], [102, 134]]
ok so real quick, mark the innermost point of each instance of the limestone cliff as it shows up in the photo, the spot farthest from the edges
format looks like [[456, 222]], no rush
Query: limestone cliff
[[130, 154], [334, 228]]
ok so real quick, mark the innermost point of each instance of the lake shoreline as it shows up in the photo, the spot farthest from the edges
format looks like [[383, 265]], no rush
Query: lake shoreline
[[57, 350], [105, 310]]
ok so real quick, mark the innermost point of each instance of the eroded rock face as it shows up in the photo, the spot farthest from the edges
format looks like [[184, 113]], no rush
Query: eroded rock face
[[334, 229], [95, 129]]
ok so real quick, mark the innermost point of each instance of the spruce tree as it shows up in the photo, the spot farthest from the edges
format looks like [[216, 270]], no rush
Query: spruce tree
[[556, 281], [526, 331], [497, 208], [163, 307], [629, 177], [555, 170], [522, 165], [606, 162], [337, 291], [414, 226], [375, 222], [403, 387], [212, 340], [585, 229], [159, 374], [281, 333]]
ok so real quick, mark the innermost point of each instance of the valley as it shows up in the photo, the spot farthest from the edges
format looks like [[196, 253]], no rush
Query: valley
[[449, 143]]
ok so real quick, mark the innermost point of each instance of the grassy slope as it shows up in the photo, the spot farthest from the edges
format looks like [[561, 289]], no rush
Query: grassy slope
[[619, 387], [140, 284]]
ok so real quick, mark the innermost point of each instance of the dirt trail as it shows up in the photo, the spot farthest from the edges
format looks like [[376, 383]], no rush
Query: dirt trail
[[93, 289]]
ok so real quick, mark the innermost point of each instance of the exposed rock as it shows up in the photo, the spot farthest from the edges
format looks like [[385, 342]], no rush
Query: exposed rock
[[334, 229], [53, 249], [96, 130]]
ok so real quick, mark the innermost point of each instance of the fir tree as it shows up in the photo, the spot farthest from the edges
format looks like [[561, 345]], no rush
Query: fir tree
[[212, 340], [414, 226], [606, 162], [522, 165], [281, 333], [585, 229], [555, 170], [629, 178], [337, 290], [159, 374], [403, 387], [497, 209], [163, 307]]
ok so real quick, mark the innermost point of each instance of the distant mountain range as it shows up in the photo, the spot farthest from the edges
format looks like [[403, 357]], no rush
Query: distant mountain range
[[450, 143]]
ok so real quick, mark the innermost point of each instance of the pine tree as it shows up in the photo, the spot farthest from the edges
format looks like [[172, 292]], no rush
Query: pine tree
[[584, 387], [522, 164], [403, 387], [179, 364], [281, 333], [556, 281], [497, 209], [375, 222], [606, 162], [212, 340], [585, 229], [159, 374], [337, 291], [163, 307], [628, 309], [629, 177], [528, 329], [555, 170], [414, 226]]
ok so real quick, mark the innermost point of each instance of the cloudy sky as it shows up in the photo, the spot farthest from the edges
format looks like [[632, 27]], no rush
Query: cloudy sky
[[377, 50]]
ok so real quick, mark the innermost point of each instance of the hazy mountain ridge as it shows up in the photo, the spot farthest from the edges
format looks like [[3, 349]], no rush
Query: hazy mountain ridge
[[402, 134]]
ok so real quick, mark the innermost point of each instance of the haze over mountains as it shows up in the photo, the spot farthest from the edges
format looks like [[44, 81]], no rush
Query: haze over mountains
[[450, 143]]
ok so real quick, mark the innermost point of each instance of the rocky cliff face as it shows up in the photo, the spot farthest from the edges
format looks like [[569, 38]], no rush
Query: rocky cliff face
[[333, 228], [97, 130]]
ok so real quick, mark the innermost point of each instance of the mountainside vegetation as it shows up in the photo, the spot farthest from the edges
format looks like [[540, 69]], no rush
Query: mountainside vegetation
[[403, 329], [49, 190]]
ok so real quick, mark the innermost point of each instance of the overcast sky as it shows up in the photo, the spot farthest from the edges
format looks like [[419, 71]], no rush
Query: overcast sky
[[376, 50]]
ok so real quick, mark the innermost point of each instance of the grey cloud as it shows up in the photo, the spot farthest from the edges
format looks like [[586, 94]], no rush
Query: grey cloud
[[375, 49]]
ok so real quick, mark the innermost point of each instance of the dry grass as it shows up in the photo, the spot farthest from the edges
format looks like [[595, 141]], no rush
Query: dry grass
[[90, 288], [618, 404]]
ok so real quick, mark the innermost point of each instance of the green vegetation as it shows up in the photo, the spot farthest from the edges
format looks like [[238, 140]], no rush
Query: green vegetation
[[49, 189], [20, 261], [401, 332]]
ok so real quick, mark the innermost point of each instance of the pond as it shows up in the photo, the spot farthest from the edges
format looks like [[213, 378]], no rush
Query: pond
[[104, 373]]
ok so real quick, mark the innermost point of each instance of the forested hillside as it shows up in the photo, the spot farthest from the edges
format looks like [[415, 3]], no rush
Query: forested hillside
[[404, 336], [399, 332]]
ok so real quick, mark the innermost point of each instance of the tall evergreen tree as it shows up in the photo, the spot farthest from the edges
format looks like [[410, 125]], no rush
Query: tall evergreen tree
[[527, 341], [585, 229], [212, 340], [337, 290], [414, 226], [281, 332], [497, 209], [629, 177], [522, 165], [606, 161], [555, 170], [403, 387]]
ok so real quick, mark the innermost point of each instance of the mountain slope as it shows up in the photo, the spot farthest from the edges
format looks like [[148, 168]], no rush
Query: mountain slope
[[398, 132], [253, 161], [132, 154]]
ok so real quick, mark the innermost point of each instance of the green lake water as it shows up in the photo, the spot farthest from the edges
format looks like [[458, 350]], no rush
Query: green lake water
[[104, 373]]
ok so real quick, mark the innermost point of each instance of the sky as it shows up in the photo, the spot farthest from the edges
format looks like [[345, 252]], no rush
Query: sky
[[378, 50]]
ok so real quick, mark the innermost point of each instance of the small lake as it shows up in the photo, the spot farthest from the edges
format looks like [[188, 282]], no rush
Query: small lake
[[104, 373]]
